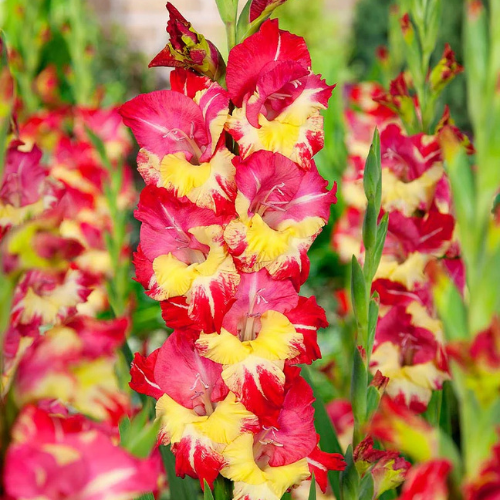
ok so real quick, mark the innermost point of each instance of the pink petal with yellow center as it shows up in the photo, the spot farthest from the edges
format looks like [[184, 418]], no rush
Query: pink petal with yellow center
[[165, 122], [188, 378]]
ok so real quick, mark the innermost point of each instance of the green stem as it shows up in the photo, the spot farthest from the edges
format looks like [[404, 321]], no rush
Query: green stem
[[231, 35]]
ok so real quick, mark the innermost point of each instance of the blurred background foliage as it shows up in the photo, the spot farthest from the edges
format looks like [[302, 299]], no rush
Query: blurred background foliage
[[60, 55], [371, 29]]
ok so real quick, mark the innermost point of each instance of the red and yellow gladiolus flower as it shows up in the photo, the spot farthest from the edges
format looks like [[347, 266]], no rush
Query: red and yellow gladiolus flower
[[182, 253], [82, 369], [277, 97], [181, 135], [54, 455], [281, 209]]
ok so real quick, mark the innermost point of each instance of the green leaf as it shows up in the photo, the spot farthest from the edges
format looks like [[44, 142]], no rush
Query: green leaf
[[228, 10], [359, 300], [372, 322], [207, 492], [372, 176], [243, 22], [372, 400], [349, 478], [379, 244], [180, 489], [451, 309], [100, 148], [139, 435], [6, 99], [433, 412], [367, 488], [223, 488], [370, 226], [476, 59], [312, 489], [146, 496], [359, 387]]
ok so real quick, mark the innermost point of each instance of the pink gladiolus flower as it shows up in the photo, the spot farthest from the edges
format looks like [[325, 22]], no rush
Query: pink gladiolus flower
[[58, 456], [80, 350], [181, 135], [277, 96]]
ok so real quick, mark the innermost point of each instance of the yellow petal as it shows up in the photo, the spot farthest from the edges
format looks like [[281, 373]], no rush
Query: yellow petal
[[284, 477], [266, 243], [172, 275], [182, 176], [408, 273], [174, 418], [223, 348], [241, 465], [225, 423], [276, 337], [408, 196], [278, 136]]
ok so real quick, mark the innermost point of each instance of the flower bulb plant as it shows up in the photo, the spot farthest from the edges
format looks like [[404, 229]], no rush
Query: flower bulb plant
[[232, 203]]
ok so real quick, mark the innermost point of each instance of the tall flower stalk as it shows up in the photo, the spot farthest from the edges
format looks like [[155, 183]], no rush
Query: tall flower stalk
[[233, 201]]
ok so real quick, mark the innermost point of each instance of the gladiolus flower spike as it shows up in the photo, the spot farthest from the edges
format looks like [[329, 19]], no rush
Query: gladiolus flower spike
[[223, 247]]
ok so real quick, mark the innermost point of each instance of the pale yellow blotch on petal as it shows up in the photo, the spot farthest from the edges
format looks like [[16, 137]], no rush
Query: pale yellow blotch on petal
[[354, 194], [242, 205], [174, 418], [408, 196], [223, 348], [421, 317], [303, 229], [221, 171], [250, 480], [172, 275], [244, 491], [276, 337], [277, 136], [63, 454], [217, 259], [10, 215], [276, 341], [96, 382], [408, 273], [225, 423], [414, 381], [75, 179], [48, 306], [265, 242], [178, 173], [240, 461], [253, 366], [282, 478], [302, 108]]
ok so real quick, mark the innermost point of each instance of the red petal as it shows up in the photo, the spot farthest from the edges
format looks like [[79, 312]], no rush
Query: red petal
[[247, 59], [142, 373]]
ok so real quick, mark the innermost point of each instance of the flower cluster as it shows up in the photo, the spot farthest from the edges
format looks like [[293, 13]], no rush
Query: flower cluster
[[410, 359], [232, 203], [59, 370], [409, 347]]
